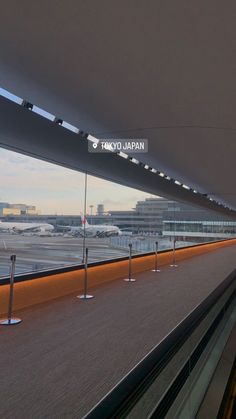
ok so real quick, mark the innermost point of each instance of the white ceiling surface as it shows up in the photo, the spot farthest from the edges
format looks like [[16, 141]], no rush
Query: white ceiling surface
[[123, 67]]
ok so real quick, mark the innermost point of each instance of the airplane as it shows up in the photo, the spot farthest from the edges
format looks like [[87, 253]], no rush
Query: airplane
[[18, 227], [98, 230]]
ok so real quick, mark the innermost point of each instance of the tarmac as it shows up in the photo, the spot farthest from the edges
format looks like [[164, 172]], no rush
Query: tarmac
[[34, 253]]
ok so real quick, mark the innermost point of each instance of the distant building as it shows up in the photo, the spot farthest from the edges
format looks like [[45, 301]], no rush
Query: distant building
[[26, 209], [10, 211], [100, 209], [199, 231], [30, 211], [3, 205], [22, 207], [7, 209], [148, 215]]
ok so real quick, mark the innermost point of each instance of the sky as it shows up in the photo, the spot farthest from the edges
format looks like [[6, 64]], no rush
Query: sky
[[56, 190]]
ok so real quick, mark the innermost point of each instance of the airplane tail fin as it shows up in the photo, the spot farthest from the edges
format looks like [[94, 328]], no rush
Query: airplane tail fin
[[84, 221]]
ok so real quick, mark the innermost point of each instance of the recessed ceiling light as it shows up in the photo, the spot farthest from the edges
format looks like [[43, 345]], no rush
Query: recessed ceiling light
[[124, 155]]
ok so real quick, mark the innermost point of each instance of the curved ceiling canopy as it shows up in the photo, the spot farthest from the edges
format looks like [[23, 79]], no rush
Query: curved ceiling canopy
[[27, 132], [158, 70]]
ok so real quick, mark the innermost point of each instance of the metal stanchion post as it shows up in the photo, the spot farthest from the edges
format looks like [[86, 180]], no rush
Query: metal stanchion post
[[156, 264], [11, 320], [174, 265], [85, 207], [85, 296], [129, 279]]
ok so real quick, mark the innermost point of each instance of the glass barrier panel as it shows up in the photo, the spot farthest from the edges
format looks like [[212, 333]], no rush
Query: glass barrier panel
[[49, 214]]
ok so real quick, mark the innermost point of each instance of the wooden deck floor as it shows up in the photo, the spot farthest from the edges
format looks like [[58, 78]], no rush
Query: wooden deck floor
[[68, 353]]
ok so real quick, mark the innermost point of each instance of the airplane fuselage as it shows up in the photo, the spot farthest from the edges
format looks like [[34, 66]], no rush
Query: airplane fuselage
[[95, 230], [18, 227]]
